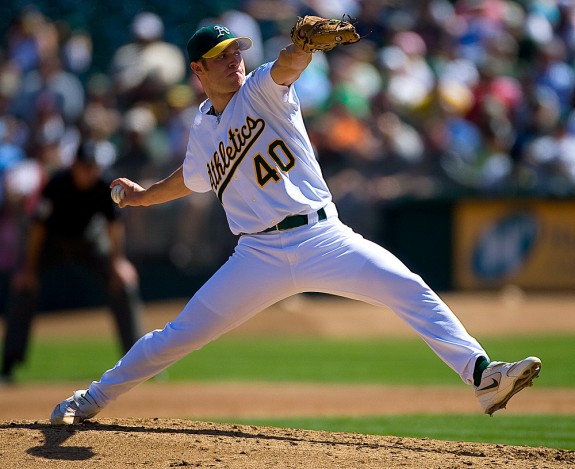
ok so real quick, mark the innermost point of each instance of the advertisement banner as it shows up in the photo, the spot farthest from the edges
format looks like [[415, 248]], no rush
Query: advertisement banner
[[530, 244]]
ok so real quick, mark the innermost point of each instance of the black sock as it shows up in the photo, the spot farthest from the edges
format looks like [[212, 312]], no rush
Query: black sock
[[480, 365]]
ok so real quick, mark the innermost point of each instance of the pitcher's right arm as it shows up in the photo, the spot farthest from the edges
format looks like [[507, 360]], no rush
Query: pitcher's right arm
[[166, 190]]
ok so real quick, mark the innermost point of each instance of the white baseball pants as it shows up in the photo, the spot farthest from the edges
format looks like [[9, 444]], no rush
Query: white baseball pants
[[266, 268]]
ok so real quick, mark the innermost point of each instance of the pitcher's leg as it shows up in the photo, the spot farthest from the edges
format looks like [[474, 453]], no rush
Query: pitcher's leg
[[242, 287], [412, 300], [196, 326], [359, 269]]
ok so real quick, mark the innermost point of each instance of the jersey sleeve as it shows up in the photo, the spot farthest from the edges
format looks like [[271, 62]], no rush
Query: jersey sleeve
[[264, 91]]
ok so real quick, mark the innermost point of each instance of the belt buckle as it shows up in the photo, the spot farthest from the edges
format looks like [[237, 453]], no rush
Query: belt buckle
[[271, 229]]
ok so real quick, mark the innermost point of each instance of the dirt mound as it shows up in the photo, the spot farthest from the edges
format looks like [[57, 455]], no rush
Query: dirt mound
[[181, 443]]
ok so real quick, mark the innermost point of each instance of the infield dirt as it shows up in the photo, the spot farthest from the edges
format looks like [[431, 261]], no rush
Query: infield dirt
[[154, 426]]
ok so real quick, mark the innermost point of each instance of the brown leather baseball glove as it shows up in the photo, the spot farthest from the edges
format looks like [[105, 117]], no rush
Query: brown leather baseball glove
[[313, 33]]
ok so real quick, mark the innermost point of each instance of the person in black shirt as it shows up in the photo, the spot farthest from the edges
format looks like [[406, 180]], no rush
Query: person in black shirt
[[75, 223]]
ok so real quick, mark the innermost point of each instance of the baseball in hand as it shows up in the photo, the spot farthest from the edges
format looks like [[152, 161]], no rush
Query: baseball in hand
[[117, 193]]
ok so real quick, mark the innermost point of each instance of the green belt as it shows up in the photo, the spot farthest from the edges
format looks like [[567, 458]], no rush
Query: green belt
[[294, 221]]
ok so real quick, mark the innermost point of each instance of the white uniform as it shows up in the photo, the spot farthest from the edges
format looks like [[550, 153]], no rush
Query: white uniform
[[258, 160]]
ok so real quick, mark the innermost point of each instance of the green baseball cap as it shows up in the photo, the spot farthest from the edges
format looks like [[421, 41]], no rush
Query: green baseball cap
[[209, 41]]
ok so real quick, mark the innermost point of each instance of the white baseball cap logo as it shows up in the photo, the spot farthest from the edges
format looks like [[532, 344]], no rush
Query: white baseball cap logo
[[222, 30]]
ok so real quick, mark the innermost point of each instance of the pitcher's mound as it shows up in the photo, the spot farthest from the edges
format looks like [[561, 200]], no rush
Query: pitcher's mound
[[182, 443]]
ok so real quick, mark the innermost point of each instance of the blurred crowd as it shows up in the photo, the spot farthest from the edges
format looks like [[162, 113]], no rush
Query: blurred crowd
[[441, 99]]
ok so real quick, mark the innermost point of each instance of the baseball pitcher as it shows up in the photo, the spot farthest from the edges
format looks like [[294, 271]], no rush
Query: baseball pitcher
[[248, 144]]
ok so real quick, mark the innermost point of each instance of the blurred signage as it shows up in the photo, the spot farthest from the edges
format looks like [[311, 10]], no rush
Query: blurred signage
[[530, 244]]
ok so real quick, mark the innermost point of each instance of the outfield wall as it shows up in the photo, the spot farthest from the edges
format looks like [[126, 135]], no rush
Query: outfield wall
[[479, 244]]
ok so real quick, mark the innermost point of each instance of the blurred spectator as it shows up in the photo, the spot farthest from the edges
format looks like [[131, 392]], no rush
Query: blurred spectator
[[50, 78], [314, 86], [553, 72], [144, 69], [410, 78], [331, 8], [30, 37], [12, 202], [135, 157], [101, 120], [77, 52], [181, 111], [75, 226], [542, 146]]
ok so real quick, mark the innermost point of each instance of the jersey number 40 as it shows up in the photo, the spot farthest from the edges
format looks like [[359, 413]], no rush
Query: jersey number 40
[[279, 157]]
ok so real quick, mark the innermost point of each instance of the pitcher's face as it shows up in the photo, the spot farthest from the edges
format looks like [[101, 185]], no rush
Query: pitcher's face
[[224, 73]]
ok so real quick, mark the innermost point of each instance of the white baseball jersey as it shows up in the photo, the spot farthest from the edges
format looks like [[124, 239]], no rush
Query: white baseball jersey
[[261, 169]]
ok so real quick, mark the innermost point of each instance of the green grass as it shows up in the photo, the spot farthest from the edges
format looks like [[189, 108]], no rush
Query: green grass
[[553, 431], [300, 360], [388, 361]]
